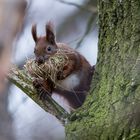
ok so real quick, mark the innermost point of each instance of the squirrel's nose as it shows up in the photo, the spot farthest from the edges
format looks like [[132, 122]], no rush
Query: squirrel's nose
[[40, 60]]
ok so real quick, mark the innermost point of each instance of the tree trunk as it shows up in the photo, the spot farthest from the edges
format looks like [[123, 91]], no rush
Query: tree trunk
[[112, 110]]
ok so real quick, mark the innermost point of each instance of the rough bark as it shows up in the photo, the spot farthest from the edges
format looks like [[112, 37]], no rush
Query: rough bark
[[112, 110]]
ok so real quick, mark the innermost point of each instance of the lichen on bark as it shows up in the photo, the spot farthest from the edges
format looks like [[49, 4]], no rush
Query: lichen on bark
[[111, 111]]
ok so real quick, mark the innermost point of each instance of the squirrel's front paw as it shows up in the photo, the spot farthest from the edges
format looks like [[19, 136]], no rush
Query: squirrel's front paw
[[43, 93], [37, 83], [41, 90], [60, 75]]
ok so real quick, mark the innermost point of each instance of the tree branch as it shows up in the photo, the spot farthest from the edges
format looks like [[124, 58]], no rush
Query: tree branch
[[88, 8], [91, 23], [23, 81]]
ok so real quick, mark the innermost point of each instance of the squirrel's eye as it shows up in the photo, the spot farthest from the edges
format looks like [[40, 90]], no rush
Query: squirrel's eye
[[49, 49]]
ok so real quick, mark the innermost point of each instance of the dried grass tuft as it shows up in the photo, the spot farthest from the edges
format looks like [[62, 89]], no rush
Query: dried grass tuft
[[49, 69]]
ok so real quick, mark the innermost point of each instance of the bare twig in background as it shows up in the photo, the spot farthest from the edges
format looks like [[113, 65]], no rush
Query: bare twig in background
[[22, 80], [91, 24], [88, 8]]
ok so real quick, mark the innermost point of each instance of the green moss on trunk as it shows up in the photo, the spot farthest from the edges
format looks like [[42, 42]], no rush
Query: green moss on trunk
[[112, 110]]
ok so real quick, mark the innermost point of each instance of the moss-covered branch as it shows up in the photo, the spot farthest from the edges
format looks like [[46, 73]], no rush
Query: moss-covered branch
[[23, 80]]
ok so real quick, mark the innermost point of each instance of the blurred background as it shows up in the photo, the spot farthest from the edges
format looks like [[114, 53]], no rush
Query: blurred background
[[75, 23]]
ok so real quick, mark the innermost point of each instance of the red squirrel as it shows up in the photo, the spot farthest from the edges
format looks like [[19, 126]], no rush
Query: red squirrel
[[75, 78]]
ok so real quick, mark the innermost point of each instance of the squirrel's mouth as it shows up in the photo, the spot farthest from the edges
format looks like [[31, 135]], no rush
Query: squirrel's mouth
[[40, 60]]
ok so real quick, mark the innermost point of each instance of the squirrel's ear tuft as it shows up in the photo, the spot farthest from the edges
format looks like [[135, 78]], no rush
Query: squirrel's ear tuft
[[34, 34], [50, 36]]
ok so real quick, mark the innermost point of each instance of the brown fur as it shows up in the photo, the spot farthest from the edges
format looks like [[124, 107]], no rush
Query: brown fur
[[77, 66]]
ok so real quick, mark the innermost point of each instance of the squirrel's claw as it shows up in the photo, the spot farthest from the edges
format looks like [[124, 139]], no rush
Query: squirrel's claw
[[42, 92]]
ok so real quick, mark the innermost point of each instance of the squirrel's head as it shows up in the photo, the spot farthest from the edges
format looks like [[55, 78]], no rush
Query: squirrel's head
[[44, 46]]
